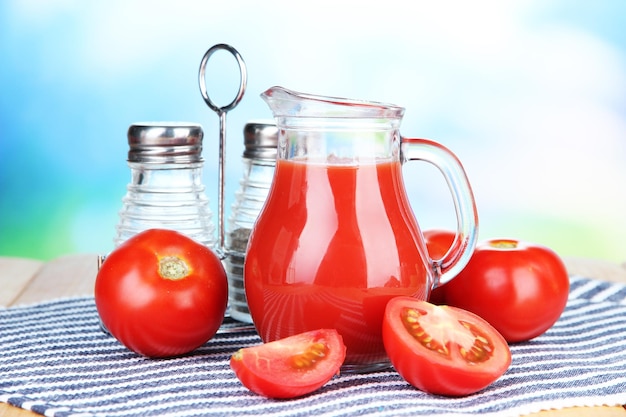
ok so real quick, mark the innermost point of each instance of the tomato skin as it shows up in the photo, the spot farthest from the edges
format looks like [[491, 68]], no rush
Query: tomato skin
[[271, 369], [520, 288], [434, 372], [156, 316]]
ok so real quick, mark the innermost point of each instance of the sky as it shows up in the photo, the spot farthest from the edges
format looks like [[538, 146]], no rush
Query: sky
[[530, 95]]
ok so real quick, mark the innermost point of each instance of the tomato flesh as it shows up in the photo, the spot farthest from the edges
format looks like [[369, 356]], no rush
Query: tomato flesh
[[432, 330], [290, 367], [443, 350]]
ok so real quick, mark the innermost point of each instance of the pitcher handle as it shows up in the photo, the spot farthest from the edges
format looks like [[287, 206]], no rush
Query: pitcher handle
[[449, 165]]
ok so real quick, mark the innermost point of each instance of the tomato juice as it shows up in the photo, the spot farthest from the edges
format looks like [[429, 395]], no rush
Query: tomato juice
[[333, 244]]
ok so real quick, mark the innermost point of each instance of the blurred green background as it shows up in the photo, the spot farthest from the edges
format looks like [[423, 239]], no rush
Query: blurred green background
[[531, 95]]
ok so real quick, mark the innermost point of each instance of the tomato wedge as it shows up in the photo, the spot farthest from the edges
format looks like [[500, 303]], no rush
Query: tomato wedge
[[290, 367], [443, 350]]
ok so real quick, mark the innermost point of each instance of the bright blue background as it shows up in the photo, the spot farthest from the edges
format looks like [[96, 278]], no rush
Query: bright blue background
[[531, 95]]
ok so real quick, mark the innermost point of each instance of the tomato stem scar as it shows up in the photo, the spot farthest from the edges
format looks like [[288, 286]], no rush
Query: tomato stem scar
[[503, 244], [172, 267]]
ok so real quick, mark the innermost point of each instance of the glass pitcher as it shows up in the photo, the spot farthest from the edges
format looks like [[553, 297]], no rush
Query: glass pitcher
[[336, 238]]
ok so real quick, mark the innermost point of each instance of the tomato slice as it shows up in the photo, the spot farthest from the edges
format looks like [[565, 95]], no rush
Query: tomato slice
[[441, 349], [290, 367]]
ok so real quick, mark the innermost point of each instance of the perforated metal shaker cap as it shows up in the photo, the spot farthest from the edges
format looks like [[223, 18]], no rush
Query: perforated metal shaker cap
[[165, 142], [260, 138]]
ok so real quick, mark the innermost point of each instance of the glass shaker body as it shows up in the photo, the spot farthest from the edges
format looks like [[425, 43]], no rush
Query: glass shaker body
[[258, 161], [166, 189]]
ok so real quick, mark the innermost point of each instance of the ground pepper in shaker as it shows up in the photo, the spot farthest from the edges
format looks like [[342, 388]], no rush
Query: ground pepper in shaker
[[166, 189], [259, 161]]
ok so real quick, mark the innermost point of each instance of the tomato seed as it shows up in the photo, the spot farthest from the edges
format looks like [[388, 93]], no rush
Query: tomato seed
[[310, 357], [410, 318], [481, 350]]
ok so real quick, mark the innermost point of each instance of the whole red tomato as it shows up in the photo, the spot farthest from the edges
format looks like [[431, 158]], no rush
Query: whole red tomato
[[290, 367], [441, 349], [161, 293], [520, 288]]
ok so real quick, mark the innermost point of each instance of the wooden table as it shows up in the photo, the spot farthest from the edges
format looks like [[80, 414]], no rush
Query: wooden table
[[27, 281]]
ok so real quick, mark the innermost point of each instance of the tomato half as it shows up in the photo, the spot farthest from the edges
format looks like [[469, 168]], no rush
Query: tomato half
[[161, 293], [443, 350], [290, 367], [520, 288]]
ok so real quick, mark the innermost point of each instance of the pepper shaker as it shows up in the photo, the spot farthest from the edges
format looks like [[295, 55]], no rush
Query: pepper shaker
[[166, 189]]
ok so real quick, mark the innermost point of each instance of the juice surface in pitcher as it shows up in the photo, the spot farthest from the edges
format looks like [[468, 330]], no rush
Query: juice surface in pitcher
[[333, 244]]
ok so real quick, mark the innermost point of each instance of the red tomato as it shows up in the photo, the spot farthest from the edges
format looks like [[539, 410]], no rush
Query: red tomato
[[290, 367], [443, 350], [438, 241], [161, 293], [520, 288]]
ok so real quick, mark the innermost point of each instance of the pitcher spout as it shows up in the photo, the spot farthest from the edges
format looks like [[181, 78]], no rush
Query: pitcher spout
[[289, 103]]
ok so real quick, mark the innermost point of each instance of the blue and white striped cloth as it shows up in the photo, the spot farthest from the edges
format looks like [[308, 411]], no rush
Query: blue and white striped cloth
[[55, 360]]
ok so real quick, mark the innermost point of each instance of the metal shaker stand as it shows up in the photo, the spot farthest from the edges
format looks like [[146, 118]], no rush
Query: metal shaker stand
[[221, 113]]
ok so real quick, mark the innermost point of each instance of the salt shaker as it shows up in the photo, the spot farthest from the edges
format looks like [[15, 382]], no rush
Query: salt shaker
[[166, 189], [259, 161]]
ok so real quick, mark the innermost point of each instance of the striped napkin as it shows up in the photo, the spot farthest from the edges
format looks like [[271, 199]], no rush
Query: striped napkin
[[55, 360]]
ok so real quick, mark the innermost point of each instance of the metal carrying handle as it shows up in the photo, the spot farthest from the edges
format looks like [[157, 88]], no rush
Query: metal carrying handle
[[221, 112], [243, 78]]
